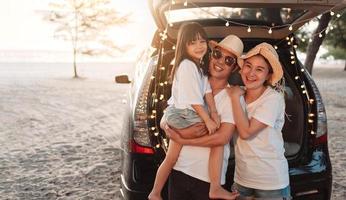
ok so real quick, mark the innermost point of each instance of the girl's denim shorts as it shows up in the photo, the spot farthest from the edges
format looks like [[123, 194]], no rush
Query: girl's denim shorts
[[284, 193]]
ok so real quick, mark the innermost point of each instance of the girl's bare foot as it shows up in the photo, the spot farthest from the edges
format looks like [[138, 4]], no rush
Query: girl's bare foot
[[217, 192], [153, 196]]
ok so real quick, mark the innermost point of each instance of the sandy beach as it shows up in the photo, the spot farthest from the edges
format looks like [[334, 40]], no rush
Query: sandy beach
[[59, 136]]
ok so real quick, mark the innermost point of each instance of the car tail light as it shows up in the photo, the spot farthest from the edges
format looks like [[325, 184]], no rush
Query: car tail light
[[321, 128], [141, 136], [140, 149]]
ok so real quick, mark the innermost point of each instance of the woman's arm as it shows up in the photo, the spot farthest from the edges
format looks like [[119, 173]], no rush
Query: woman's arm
[[246, 128], [221, 137]]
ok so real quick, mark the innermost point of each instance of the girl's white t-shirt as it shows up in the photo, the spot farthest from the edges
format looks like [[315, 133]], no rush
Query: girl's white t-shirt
[[189, 86], [260, 160]]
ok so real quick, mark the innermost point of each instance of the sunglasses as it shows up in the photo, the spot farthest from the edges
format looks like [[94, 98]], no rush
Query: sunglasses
[[229, 60]]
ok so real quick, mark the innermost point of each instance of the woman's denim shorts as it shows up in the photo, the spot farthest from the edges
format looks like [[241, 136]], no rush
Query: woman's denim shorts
[[284, 193]]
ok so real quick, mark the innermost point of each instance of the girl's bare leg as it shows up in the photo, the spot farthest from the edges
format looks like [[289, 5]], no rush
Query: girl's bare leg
[[164, 170], [215, 166]]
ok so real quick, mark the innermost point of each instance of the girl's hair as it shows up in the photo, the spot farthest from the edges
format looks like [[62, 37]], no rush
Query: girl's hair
[[187, 33]]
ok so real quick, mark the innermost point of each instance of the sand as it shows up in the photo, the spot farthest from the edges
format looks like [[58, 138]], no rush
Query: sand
[[59, 137]]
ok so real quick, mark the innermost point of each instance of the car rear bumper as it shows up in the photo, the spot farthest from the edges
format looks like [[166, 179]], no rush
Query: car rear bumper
[[130, 194], [311, 186]]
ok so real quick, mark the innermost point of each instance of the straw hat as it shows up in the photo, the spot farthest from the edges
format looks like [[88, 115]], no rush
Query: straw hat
[[268, 52], [231, 43]]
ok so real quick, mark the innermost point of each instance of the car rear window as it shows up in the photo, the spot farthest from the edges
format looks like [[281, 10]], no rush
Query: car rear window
[[264, 16]]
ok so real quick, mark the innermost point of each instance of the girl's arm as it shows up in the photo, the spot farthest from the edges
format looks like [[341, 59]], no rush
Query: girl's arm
[[209, 98], [246, 128], [202, 113], [221, 137]]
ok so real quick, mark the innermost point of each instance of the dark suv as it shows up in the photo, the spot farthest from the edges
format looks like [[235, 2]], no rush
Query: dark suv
[[305, 131]]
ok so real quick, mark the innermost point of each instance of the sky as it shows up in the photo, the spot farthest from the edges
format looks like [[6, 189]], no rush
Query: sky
[[22, 26]]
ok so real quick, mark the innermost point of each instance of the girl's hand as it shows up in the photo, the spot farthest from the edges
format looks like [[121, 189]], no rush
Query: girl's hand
[[211, 126], [216, 118], [235, 91]]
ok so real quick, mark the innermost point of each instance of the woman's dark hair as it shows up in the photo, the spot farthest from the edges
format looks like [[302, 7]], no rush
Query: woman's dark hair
[[187, 33]]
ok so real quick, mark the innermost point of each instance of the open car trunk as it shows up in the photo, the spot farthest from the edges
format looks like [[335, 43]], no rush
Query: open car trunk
[[222, 17], [254, 21]]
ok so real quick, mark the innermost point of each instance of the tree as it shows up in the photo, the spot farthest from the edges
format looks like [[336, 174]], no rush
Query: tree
[[317, 39], [336, 39], [85, 24]]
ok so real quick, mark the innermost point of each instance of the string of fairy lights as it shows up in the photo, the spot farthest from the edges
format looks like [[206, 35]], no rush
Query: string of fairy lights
[[161, 85]]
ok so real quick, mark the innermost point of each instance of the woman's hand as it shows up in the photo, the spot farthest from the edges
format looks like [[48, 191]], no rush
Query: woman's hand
[[235, 91]]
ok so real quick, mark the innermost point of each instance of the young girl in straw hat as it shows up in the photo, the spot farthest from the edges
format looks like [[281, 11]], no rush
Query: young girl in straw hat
[[187, 107], [261, 168]]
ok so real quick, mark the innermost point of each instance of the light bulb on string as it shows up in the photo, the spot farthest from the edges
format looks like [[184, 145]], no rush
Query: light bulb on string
[[290, 28], [297, 77], [303, 39], [338, 15], [270, 31], [227, 23], [332, 13], [185, 3], [320, 35], [310, 40], [275, 47], [249, 29]]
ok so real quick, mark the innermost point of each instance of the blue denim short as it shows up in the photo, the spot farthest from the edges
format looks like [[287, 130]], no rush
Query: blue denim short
[[180, 118], [284, 193]]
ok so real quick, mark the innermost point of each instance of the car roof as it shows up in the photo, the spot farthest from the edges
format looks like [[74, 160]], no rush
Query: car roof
[[215, 24]]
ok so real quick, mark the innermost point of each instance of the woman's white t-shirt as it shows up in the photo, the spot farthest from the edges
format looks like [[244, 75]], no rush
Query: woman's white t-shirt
[[260, 160], [189, 86]]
